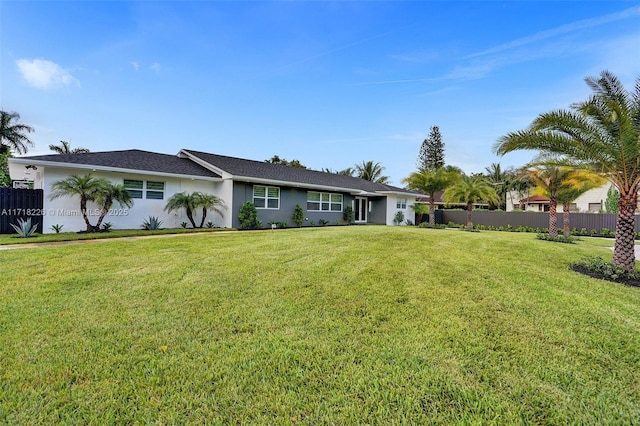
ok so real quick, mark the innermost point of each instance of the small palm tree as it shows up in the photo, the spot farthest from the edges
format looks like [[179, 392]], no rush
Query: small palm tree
[[576, 184], [601, 134], [371, 171], [87, 187], [183, 200], [110, 194], [468, 191], [431, 182], [65, 148], [13, 134], [208, 202]]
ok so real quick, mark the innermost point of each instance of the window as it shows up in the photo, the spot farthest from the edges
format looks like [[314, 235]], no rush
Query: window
[[155, 190], [152, 190], [323, 201], [595, 207], [266, 197], [134, 187], [401, 203]]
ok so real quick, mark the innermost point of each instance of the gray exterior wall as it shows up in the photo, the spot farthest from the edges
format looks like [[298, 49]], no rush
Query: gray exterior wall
[[534, 219], [289, 197]]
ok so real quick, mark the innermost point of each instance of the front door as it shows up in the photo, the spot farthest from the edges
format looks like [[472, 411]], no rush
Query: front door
[[360, 210]]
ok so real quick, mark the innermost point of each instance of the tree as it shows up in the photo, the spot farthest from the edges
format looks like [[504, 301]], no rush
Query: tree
[[431, 155], [600, 134], [470, 190], [420, 210], [576, 183], [13, 134], [430, 182], [207, 202], [611, 203], [503, 182], [182, 200], [248, 216], [87, 187], [298, 215], [5, 179], [293, 163], [65, 148], [371, 171], [108, 195]]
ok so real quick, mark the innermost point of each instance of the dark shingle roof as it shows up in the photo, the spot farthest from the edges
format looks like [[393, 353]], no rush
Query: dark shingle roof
[[239, 167], [132, 159]]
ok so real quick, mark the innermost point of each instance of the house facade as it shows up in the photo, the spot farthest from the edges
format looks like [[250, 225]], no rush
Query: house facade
[[592, 201], [152, 178]]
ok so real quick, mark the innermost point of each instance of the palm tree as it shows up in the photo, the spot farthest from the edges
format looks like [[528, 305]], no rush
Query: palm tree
[[503, 182], [208, 202], [108, 195], [182, 200], [86, 187], [470, 190], [13, 134], [601, 134], [371, 171], [576, 184], [431, 182], [65, 148]]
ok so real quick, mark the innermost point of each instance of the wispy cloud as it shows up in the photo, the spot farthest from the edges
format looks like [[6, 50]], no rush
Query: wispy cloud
[[44, 74], [135, 65], [561, 30], [156, 67]]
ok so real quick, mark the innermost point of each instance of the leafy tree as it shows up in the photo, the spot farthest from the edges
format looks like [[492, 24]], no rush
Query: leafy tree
[[602, 134], [430, 182], [349, 215], [371, 171], [5, 178], [420, 210], [470, 190], [611, 203], [13, 135], [293, 163], [207, 202], [298, 215], [108, 195], [503, 181], [65, 148], [87, 187], [431, 155], [249, 216], [346, 172], [183, 200]]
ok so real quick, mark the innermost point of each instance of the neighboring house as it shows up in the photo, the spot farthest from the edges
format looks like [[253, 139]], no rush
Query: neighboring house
[[152, 178], [592, 201]]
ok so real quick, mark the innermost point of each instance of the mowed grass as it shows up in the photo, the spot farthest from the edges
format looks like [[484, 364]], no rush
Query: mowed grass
[[337, 325]]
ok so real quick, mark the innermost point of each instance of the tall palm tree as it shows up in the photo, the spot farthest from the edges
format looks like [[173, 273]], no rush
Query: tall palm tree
[[65, 148], [470, 190], [108, 195], [183, 200], [208, 202], [502, 181], [431, 182], [86, 187], [602, 134], [13, 134], [371, 171], [576, 184]]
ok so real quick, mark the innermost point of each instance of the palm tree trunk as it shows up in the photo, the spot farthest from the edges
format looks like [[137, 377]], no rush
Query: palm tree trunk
[[105, 209], [204, 215], [83, 210], [432, 210], [624, 251], [553, 218], [565, 220], [190, 217], [469, 223]]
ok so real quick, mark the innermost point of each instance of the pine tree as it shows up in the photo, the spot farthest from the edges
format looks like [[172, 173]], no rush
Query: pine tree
[[431, 155]]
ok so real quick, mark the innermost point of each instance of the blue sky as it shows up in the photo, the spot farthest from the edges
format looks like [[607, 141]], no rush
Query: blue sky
[[328, 83]]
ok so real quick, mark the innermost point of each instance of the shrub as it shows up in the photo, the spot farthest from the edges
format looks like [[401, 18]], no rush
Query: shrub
[[151, 224], [210, 224], [106, 227], [348, 215], [595, 266], [57, 228], [183, 224], [323, 222], [24, 228], [298, 215], [436, 226], [398, 218], [409, 222], [558, 239], [249, 216]]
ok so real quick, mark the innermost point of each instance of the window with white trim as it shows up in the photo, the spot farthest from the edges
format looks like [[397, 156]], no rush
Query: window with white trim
[[401, 203], [150, 190], [266, 197], [324, 201]]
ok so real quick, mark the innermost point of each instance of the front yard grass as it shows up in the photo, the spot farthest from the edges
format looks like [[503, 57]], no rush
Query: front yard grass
[[338, 325]]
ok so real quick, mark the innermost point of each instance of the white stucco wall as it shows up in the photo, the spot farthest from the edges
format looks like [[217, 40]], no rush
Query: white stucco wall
[[593, 196], [66, 211], [392, 209]]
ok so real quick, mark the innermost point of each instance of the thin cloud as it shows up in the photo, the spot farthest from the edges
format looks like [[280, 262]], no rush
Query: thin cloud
[[156, 67], [563, 29], [44, 74], [135, 65]]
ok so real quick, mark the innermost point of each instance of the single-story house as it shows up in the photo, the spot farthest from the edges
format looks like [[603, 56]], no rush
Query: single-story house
[[152, 178], [592, 201]]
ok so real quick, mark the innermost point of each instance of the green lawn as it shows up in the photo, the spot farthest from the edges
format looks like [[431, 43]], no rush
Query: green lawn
[[337, 325]]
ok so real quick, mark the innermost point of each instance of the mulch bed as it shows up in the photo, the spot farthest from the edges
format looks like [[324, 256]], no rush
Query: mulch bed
[[626, 280]]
